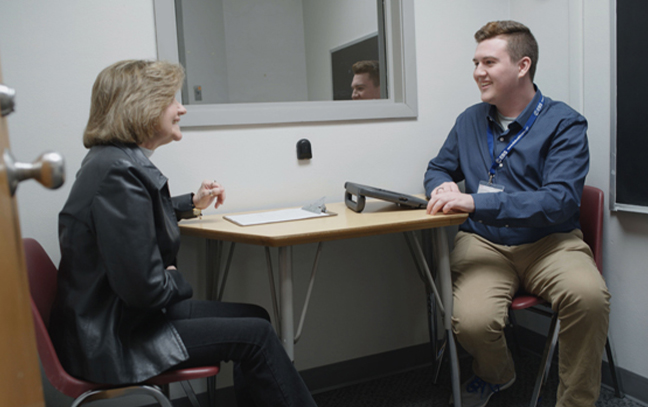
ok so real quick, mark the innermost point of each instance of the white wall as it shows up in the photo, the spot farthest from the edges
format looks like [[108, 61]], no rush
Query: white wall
[[368, 299]]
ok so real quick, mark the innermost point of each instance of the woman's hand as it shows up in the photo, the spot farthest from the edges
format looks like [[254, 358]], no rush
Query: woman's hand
[[207, 193]]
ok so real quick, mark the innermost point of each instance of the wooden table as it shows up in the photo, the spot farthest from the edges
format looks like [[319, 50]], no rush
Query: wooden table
[[377, 218]]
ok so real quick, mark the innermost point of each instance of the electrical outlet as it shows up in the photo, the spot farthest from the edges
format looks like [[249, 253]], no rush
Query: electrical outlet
[[198, 93]]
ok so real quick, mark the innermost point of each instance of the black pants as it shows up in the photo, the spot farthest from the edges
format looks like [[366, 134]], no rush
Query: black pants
[[215, 331]]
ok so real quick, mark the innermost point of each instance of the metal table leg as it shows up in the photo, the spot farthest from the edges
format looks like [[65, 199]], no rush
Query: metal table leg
[[286, 300], [438, 350], [445, 276], [214, 283], [284, 307], [433, 297], [444, 298], [214, 249]]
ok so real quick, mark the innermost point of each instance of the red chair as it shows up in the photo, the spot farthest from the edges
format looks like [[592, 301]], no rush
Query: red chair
[[42, 287], [591, 220]]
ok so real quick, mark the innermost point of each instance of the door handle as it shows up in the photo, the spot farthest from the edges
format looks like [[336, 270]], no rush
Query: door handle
[[48, 169], [6, 100]]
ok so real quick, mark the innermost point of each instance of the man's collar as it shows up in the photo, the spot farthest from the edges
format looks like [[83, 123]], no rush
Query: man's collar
[[526, 113]]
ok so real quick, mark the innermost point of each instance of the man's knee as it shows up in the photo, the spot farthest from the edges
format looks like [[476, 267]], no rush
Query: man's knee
[[478, 326], [589, 298]]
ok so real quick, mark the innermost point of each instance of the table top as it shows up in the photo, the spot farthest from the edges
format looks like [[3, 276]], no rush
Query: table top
[[378, 217]]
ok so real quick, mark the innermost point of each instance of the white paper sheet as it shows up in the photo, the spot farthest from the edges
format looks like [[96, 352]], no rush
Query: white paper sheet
[[281, 215]]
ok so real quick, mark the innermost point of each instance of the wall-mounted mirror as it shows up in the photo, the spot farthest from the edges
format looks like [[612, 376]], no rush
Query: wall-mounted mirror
[[273, 61]]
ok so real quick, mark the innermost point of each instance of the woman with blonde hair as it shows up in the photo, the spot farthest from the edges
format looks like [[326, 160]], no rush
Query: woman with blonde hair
[[123, 311]]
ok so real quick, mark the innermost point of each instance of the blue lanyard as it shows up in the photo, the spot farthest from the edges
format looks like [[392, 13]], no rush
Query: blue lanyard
[[491, 142]]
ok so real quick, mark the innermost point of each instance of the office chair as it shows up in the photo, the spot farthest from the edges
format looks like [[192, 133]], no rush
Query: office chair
[[42, 286], [591, 220]]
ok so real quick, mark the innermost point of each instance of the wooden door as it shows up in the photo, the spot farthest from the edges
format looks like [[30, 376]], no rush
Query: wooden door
[[20, 381]]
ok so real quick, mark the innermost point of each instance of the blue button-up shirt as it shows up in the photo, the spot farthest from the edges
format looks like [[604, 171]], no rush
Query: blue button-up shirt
[[543, 176]]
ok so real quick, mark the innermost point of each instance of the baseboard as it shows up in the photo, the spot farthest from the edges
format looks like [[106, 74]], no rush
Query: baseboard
[[634, 386], [371, 367], [367, 368]]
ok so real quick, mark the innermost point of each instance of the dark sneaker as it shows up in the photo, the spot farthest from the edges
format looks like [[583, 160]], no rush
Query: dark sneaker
[[476, 392]]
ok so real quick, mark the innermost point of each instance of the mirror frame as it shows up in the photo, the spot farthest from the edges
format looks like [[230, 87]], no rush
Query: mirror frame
[[401, 78]]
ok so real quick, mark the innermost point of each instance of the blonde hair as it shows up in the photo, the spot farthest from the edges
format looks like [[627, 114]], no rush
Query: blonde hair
[[520, 42], [128, 99]]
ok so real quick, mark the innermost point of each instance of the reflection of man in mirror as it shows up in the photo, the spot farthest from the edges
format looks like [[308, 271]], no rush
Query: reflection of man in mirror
[[366, 81]]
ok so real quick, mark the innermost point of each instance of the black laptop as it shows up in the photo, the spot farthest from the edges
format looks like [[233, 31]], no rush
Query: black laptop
[[355, 195]]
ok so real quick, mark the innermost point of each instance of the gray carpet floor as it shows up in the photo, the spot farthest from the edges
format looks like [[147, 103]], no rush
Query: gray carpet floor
[[415, 389]]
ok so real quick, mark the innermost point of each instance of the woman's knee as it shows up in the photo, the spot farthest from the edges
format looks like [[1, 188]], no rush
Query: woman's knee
[[262, 336], [257, 311]]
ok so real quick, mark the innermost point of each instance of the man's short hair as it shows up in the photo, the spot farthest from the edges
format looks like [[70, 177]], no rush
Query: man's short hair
[[370, 67], [128, 99], [521, 43]]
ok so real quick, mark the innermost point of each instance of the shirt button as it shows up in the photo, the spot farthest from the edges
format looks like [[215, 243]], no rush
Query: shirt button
[[480, 221], [506, 226], [501, 165], [501, 139]]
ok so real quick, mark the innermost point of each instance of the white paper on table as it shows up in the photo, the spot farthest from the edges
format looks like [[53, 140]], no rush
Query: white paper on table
[[281, 215]]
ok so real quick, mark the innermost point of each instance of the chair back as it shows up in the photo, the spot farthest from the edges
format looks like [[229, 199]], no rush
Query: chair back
[[42, 287], [591, 221], [42, 278]]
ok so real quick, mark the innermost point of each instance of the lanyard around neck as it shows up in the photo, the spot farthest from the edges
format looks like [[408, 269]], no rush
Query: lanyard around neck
[[502, 156]]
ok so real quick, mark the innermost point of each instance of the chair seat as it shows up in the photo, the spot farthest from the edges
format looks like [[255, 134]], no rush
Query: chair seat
[[182, 375], [524, 301]]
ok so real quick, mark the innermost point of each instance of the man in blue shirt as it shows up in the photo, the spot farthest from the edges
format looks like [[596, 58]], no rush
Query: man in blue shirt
[[523, 159]]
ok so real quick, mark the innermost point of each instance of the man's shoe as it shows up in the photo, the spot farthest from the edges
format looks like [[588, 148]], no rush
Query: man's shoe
[[476, 392]]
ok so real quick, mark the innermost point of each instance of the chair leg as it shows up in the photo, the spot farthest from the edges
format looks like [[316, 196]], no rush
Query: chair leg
[[186, 386], [211, 391], [514, 333], [545, 364], [616, 379], [164, 388]]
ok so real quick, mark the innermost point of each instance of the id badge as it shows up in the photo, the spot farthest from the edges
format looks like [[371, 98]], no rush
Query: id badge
[[486, 188]]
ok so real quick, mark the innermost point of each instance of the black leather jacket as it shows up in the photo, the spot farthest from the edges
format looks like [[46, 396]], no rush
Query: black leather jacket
[[118, 233]]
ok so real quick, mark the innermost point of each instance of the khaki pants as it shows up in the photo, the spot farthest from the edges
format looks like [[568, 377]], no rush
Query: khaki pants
[[558, 268]]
